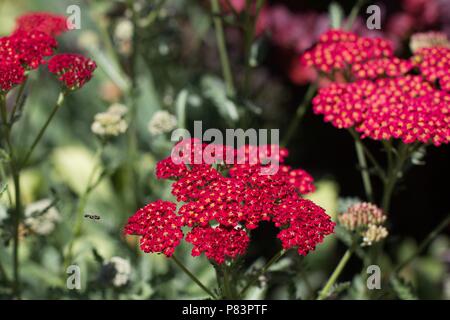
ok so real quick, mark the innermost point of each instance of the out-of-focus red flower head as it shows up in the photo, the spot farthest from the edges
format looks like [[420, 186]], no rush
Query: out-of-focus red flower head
[[236, 5], [32, 47], [48, 23], [73, 70], [11, 74], [11, 70]]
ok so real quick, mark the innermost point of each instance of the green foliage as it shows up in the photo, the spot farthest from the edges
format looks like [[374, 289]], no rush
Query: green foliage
[[402, 289]]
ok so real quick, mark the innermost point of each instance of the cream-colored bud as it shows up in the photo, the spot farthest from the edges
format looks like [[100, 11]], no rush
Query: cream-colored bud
[[162, 122], [374, 234]]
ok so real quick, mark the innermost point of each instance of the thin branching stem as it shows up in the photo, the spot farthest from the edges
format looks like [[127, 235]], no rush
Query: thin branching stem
[[193, 277], [324, 293], [221, 46], [263, 270]]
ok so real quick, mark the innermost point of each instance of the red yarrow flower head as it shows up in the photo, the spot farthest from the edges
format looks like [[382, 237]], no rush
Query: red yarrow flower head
[[73, 70], [222, 203], [218, 243], [434, 65], [159, 227], [337, 50], [307, 225], [406, 108], [31, 47], [48, 23], [11, 74], [11, 71]]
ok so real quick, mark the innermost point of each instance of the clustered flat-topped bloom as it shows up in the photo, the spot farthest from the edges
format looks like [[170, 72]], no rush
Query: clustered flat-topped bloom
[[28, 46], [338, 50], [48, 23], [11, 74], [384, 97], [20, 52], [375, 68], [32, 47], [406, 108], [365, 220], [73, 70], [434, 65], [221, 203]]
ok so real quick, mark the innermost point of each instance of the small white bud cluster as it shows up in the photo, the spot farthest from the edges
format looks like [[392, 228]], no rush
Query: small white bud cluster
[[365, 220], [121, 270], [41, 217], [110, 123], [162, 122]]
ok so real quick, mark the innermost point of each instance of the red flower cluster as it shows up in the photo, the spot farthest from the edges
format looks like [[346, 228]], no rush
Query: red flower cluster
[[223, 202], [406, 108], [31, 47], [32, 41], [218, 243], [73, 70], [11, 74], [21, 51], [48, 23], [158, 226], [384, 101], [434, 65], [338, 50], [384, 67]]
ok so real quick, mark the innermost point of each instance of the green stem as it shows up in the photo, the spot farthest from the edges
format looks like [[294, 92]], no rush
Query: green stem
[[226, 284], [430, 237], [3, 274], [5, 124], [379, 169], [307, 283], [394, 173], [353, 14], [87, 191], [15, 171], [18, 99], [58, 104], [16, 222], [364, 169], [82, 204], [6, 190], [151, 17], [335, 275], [193, 277], [361, 156], [253, 280], [220, 36], [299, 114], [132, 132], [250, 31]]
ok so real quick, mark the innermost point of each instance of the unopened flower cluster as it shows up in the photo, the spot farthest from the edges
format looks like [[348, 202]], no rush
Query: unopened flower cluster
[[162, 122], [41, 217], [116, 272], [220, 204], [430, 39], [384, 97], [28, 46], [366, 221], [110, 123]]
